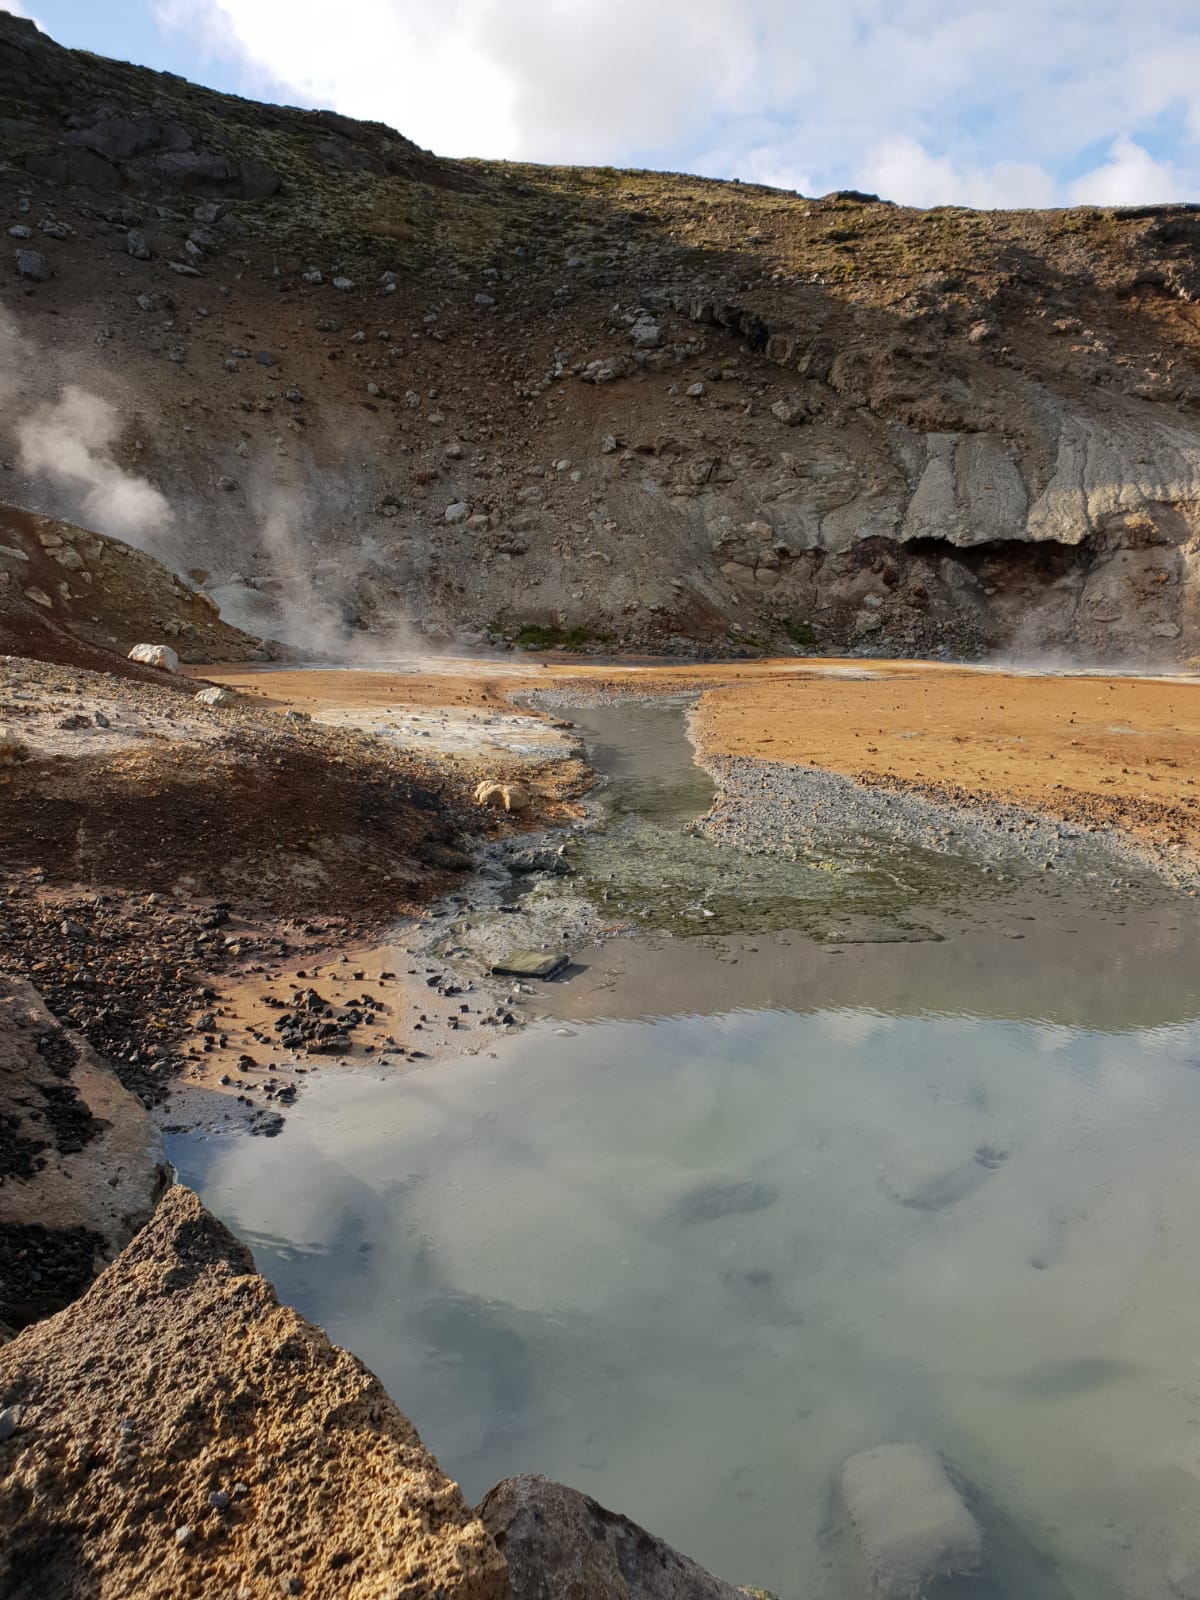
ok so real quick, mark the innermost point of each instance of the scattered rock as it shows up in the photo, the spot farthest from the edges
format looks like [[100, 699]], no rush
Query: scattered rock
[[135, 243], [12, 749], [31, 265]]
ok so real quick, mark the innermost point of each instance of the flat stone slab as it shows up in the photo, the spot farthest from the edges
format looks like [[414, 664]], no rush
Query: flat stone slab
[[531, 964], [910, 1522]]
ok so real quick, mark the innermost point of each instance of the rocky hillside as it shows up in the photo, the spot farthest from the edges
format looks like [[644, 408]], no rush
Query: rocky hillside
[[390, 393]]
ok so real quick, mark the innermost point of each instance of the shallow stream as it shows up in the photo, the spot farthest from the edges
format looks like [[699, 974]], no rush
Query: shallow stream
[[908, 1152]]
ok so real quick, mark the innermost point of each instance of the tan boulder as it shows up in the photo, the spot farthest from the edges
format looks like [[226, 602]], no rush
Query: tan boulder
[[179, 1433], [506, 796]]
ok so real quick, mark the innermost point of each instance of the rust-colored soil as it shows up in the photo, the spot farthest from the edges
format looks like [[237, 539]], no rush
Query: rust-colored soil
[[1101, 751], [1123, 753]]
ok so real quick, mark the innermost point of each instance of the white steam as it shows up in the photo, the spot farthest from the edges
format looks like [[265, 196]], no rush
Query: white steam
[[70, 443]]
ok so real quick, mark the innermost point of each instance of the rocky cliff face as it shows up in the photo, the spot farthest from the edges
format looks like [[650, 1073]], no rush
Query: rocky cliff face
[[392, 394]]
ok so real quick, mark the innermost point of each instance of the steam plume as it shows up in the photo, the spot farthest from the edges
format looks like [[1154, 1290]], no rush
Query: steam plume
[[70, 442]]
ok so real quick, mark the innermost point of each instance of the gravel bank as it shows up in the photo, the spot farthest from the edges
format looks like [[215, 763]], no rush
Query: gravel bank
[[777, 808]]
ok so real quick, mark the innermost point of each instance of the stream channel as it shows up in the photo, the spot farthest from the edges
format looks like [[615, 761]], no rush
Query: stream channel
[[867, 1146]]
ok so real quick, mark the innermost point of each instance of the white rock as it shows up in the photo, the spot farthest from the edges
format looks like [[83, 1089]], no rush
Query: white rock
[[457, 512], [695, 391], [155, 655], [214, 695]]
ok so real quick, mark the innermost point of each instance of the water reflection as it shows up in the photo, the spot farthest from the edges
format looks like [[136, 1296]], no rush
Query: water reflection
[[690, 1265]]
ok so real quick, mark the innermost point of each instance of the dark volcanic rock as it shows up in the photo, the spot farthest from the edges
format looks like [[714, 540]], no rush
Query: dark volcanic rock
[[561, 1545]]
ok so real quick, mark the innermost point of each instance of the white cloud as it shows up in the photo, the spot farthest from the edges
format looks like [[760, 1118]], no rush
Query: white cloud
[[902, 170], [1131, 176], [923, 100]]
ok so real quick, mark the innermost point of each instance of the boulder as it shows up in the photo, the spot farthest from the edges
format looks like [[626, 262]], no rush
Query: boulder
[[155, 655], [178, 1432], [562, 1545], [81, 1160], [910, 1525], [214, 695], [12, 749], [506, 796]]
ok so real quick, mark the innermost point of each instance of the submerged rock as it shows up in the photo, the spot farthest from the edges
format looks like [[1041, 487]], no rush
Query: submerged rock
[[178, 1394], [911, 1526], [562, 1545], [720, 1198]]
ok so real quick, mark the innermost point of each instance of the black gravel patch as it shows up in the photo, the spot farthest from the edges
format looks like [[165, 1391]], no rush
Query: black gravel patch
[[73, 1124], [43, 1269], [18, 1154]]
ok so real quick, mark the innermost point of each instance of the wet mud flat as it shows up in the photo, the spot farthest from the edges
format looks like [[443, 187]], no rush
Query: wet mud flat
[[888, 1148]]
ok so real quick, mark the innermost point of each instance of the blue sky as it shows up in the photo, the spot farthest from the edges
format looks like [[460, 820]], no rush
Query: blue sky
[[1004, 102]]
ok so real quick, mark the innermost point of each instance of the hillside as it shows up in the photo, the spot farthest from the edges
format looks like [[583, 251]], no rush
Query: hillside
[[395, 396]]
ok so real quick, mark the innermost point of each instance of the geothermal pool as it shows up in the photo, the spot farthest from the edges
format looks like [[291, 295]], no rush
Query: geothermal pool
[[745, 1205]]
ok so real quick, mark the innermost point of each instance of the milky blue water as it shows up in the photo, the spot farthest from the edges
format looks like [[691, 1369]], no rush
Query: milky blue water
[[738, 1210]]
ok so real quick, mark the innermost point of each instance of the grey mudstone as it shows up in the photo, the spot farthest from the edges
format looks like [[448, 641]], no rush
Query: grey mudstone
[[911, 1526], [561, 1545]]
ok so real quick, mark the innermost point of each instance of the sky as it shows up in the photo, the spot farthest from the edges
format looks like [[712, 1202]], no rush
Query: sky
[[926, 102]]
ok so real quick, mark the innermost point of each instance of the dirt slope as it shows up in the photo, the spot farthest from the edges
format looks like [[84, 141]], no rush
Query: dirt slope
[[394, 395], [82, 598]]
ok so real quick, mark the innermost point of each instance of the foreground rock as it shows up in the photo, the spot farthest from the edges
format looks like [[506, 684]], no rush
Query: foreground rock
[[81, 1161], [179, 1433], [561, 1545]]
